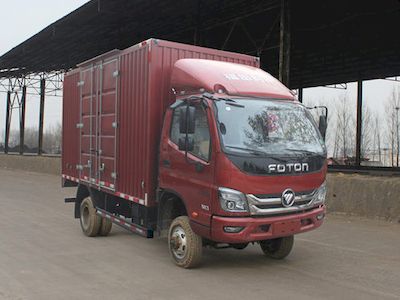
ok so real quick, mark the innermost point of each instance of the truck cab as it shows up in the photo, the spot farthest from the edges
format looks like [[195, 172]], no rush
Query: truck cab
[[241, 158]]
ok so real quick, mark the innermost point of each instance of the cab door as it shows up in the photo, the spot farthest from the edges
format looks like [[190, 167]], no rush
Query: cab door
[[191, 175]]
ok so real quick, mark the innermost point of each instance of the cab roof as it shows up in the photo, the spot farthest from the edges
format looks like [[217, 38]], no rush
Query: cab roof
[[233, 79]]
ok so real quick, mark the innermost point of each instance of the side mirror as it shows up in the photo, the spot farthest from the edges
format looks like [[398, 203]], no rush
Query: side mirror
[[187, 119], [186, 144], [322, 125]]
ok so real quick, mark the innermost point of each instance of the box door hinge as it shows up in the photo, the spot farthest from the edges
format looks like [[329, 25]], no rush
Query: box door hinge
[[116, 73], [80, 83], [79, 125]]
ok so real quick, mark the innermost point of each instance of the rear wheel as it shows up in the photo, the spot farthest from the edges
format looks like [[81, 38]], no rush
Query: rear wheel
[[90, 221], [185, 246], [277, 248], [105, 227]]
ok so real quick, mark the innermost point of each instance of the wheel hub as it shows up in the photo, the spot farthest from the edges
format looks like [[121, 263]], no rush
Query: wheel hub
[[178, 242], [85, 217]]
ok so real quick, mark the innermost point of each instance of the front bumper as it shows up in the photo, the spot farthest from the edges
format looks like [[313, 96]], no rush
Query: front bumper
[[264, 228]]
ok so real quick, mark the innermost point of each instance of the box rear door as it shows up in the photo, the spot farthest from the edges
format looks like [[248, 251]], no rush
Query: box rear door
[[99, 98], [107, 123]]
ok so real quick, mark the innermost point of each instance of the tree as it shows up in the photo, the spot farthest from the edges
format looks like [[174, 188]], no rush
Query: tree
[[51, 139], [392, 125], [345, 129], [376, 140], [367, 131]]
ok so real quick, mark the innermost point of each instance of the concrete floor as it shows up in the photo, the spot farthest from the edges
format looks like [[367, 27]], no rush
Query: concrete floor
[[44, 255]]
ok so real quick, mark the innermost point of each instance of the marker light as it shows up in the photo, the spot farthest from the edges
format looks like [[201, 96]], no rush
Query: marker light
[[233, 229]]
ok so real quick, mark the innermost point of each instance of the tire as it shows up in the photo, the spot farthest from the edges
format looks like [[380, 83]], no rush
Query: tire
[[277, 248], [184, 245], [240, 246], [105, 227], [90, 221]]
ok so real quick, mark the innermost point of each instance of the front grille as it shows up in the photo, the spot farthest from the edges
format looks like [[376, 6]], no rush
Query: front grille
[[271, 204], [266, 196]]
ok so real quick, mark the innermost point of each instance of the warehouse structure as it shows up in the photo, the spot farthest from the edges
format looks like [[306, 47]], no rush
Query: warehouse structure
[[304, 43]]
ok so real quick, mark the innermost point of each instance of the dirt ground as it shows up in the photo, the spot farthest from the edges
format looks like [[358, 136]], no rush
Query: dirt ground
[[44, 255]]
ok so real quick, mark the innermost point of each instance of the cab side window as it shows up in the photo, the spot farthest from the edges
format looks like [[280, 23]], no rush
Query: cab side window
[[174, 134], [201, 136]]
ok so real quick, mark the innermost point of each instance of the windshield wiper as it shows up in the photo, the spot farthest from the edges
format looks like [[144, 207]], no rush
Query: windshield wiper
[[234, 103], [253, 151], [259, 152], [303, 151], [227, 100]]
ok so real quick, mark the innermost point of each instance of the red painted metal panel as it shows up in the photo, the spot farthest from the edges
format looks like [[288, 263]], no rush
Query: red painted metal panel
[[107, 120], [70, 137], [88, 102], [133, 151], [143, 94]]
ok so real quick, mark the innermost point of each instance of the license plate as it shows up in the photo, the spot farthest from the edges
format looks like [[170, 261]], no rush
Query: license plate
[[285, 228]]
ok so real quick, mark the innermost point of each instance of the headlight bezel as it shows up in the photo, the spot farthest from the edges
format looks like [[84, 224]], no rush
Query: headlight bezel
[[320, 194], [227, 197]]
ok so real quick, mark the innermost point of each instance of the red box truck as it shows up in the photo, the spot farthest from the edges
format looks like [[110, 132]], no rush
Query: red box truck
[[196, 143]]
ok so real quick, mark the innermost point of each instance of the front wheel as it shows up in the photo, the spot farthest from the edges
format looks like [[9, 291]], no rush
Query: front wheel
[[277, 248], [185, 246]]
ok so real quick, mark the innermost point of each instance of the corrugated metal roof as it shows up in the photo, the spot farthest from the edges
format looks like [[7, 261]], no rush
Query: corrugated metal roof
[[332, 41]]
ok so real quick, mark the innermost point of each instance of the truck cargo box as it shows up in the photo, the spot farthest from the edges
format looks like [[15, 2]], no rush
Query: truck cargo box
[[113, 112]]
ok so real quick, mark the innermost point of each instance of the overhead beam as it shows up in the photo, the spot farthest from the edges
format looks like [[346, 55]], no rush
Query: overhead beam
[[300, 95]]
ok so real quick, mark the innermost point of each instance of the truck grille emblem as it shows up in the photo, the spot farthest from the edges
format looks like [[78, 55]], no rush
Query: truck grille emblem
[[287, 198]]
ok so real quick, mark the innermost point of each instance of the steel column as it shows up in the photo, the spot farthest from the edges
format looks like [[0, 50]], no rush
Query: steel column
[[8, 122], [397, 129], [41, 115], [22, 121], [300, 95], [284, 44], [359, 122]]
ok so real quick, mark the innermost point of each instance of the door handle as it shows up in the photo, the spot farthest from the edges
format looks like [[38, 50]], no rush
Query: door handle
[[166, 163]]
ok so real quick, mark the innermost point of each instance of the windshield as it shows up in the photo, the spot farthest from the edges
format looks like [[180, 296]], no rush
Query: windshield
[[273, 127]]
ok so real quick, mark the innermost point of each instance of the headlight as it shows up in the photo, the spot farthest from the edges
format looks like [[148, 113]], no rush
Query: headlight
[[320, 194], [232, 200]]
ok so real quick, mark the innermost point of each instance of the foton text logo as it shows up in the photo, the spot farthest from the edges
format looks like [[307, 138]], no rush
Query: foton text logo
[[287, 168]]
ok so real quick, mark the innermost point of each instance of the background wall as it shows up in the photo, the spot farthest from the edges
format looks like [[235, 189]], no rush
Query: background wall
[[358, 195], [41, 164]]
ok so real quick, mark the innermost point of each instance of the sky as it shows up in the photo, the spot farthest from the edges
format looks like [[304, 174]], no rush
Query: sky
[[20, 19]]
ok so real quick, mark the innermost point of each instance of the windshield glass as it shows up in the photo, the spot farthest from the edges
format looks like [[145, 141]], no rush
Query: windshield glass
[[259, 126]]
